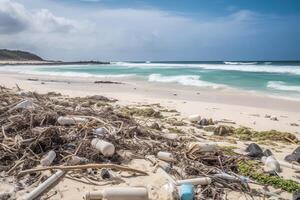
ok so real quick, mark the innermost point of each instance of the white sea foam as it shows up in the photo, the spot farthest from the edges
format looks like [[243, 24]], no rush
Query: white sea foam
[[280, 85], [240, 63], [33, 70], [268, 68], [188, 80]]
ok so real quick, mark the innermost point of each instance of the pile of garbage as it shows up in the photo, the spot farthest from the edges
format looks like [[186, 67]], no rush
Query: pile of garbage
[[52, 132]]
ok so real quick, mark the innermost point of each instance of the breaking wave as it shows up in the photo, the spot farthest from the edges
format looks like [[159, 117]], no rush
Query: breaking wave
[[189, 80], [234, 66], [280, 85], [240, 63]]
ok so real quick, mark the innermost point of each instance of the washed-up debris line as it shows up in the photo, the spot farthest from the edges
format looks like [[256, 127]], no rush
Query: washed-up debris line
[[61, 133]]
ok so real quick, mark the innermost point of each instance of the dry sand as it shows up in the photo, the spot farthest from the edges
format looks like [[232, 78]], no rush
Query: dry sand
[[245, 108]]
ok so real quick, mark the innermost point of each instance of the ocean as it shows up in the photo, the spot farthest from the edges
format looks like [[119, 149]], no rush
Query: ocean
[[281, 79]]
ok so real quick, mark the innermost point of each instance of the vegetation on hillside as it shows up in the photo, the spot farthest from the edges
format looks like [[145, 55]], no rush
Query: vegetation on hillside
[[18, 55]]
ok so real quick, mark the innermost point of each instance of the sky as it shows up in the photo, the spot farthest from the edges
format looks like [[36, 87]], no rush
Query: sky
[[127, 30]]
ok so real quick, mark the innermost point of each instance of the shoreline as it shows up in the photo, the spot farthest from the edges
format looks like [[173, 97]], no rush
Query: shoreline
[[48, 62], [245, 108]]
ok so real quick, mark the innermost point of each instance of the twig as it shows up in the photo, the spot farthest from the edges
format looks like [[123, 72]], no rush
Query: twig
[[76, 167]]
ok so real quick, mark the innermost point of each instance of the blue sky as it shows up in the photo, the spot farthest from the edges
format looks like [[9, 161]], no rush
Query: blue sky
[[153, 30]]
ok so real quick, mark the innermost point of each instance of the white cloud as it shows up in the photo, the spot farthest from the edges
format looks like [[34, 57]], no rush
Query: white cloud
[[62, 31], [15, 18]]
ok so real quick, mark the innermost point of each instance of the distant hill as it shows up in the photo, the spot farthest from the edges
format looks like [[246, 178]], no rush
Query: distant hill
[[18, 55]]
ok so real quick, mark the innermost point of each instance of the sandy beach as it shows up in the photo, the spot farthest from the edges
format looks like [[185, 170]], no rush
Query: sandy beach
[[149, 100], [243, 108]]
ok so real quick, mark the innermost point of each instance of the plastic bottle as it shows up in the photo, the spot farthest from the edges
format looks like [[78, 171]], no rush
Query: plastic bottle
[[100, 131], [195, 181], [106, 148], [170, 191], [166, 156], [25, 104], [119, 193], [194, 118], [75, 160], [229, 177], [186, 192], [48, 159], [170, 136], [44, 186], [208, 147], [203, 147], [70, 120], [271, 164]]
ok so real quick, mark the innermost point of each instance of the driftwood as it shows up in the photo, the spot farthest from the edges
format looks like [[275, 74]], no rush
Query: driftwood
[[77, 167], [29, 134]]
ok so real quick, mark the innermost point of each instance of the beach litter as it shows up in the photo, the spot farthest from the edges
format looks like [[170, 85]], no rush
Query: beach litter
[[64, 136]]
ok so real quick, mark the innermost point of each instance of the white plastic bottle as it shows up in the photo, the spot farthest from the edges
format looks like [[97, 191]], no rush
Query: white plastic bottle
[[271, 164], [195, 181], [25, 104], [49, 158], [119, 193], [203, 147], [194, 118], [70, 120], [75, 160], [166, 156], [170, 136], [100, 131], [106, 148]]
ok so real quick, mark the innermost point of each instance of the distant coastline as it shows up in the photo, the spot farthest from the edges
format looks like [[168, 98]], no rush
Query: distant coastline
[[17, 57], [46, 62]]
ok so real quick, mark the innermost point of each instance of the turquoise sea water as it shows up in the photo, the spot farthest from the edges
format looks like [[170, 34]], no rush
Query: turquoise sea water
[[275, 78]]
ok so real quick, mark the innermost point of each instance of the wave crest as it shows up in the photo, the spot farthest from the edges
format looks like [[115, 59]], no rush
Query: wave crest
[[280, 85], [189, 80], [239, 63]]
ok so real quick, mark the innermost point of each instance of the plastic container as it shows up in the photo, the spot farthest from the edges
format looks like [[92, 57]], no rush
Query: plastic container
[[70, 120], [271, 164], [170, 191], [100, 131], [166, 156], [75, 160], [195, 181], [170, 136], [119, 193], [203, 147], [25, 104], [186, 192], [194, 118], [48, 159], [106, 148], [208, 147], [44, 186]]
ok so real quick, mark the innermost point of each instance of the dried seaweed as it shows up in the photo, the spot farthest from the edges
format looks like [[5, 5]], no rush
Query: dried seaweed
[[28, 134]]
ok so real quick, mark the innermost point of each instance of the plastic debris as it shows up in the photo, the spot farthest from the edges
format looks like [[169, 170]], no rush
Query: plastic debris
[[119, 193], [194, 118], [166, 156], [70, 120], [100, 131], [106, 148], [44, 186], [271, 164], [25, 104], [186, 192], [48, 159]]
